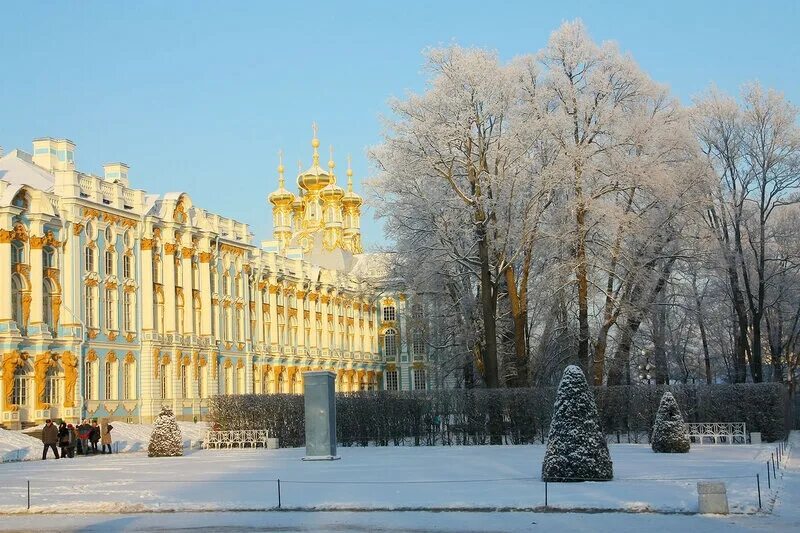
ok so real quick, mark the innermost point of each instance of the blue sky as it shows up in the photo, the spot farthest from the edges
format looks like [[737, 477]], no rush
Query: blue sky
[[199, 96]]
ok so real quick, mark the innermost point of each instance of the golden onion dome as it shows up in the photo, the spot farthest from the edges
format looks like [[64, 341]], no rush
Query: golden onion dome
[[315, 178], [332, 193], [351, 199], [281, 197]]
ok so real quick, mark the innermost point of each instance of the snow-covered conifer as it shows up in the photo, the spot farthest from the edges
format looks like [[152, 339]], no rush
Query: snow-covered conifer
[[166, 439], [576, 447], [669, 434]]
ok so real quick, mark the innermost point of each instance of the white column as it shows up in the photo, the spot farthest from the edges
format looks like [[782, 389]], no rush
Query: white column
[[273, 317], [5, 275], [146, 291], [37, 279], [169, 287], [205, 292], [188, 295]]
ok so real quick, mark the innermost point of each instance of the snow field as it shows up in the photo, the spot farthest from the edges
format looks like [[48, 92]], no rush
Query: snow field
[[477, 477]]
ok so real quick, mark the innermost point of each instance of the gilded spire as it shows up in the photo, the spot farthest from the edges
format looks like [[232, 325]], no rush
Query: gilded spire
[[349, 175], [331, 164], [281, 181], [315, 144]]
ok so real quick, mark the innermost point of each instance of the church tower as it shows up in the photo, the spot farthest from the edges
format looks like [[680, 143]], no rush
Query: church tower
[[281, 200], [351, 204]]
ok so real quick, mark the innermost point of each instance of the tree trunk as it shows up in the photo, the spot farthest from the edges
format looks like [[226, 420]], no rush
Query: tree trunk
[[582, 278], [701, 324]]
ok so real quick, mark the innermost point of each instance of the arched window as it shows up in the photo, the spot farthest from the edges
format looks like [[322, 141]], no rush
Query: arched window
[[89, 379], [165, 388], [109, 236], [17, 252], [110, 384], [129, 310], [17, 289], [110, 308], [227, 318], [416, 311], [389, 313], [90, 296], [203, 385], [89, 259], [129, 381], [282, 382], [53, 388], [390, 343], [241, 387], [198, 315], [127, 266], [20, 392], [184, 382], [418, 343], [159, 312], [48, 257], [48, 291], [109, 263]]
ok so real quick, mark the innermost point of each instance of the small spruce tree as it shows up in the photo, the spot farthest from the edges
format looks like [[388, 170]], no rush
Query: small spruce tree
[[669, 434], [576, 446], [166, 439]]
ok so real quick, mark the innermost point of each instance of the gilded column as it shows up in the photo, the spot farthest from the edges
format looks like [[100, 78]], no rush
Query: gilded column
[[312, 306], [146, 258], [205, 291], [37, 281], [273, 318], [5, 275], [169, 286], [188, 296]]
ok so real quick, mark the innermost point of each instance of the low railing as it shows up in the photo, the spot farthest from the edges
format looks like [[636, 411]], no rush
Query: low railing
[[717, 432], [242, 438]]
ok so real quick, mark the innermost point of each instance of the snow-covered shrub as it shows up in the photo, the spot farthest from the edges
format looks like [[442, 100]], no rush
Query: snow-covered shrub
[[669, 434], [576, 446], [166, 440]]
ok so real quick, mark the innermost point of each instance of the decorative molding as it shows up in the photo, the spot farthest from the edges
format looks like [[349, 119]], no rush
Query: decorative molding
[[111, 357], [187, 252], [130, 358], [112, 335], [77, 229], [130, 336], [205, 257], [146, 244], [91, 356], [70, 364], [169, 248]]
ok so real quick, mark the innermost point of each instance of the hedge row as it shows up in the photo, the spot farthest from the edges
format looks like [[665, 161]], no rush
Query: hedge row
[[461, 416]]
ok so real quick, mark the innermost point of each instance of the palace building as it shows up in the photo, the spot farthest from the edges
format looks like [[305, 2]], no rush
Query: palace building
[[116, 302]]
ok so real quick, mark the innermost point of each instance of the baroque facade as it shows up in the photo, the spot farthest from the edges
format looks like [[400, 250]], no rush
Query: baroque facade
[[116, 302]]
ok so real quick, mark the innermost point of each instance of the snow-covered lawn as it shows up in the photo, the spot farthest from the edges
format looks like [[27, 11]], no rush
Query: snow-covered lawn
[[480, 477]]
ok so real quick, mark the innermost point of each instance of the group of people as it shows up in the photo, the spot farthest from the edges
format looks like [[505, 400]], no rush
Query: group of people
[[81, 440]]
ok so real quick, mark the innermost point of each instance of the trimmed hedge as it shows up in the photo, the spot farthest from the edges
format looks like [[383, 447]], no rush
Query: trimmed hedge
[[461, 416]]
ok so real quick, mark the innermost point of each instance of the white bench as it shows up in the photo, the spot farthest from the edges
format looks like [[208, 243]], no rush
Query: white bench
[[717, 432], [239, 438]]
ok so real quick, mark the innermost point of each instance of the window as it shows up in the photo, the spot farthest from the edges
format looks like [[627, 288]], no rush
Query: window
[[416, 311], [109, 381], [109, 263], [390, 343], [89, 376], [419, 379], [48, 290], [159, 313], [240, 385], [128, 311], [17, 252], [184, 382], [91, 308], [240, 325], [197, 316], [89, 259], [48, 257], [129, 381], [391, 380], [389, 313], [20, 393], [127, 266], [164, 381], [156, 269], [17, 287], [53, 389], [109, 235], [418, 343], [110, 307]]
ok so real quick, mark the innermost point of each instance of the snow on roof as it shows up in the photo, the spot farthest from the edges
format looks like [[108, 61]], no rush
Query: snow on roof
[[17, 168]]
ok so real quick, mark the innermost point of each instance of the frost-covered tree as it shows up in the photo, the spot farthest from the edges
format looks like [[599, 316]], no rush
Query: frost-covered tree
[[669, 433], [576, 446], [166, 439]]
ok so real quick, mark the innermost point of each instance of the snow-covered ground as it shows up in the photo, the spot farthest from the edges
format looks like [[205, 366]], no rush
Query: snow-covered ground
[[20, 446], [477, 477]]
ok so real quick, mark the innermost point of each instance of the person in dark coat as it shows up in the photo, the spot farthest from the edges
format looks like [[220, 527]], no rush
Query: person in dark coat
[[63, 439], [73, 440], [94, 436], [49, 438], [84, 431]]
